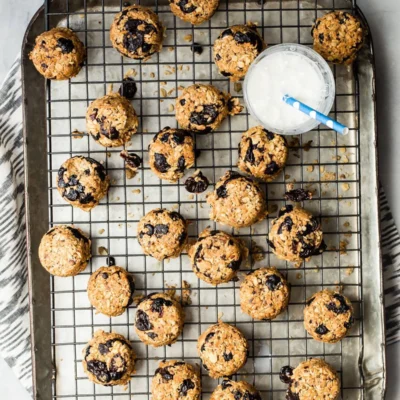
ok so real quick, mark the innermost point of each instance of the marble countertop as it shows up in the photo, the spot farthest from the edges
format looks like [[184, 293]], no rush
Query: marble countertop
[[383, 17]]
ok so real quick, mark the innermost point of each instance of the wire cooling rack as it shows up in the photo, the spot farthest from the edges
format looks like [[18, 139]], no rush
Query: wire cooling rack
[[319, 160]]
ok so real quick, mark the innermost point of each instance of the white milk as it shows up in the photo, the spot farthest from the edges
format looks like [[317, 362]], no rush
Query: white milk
[[281, 73]]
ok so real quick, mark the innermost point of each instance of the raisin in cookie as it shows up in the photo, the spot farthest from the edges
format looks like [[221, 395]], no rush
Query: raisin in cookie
[[202, 108], [264, 294], [194, 11], [223, 350], [64, 251], [311, 379], [111, 120], [328, 316], [159, 320], [108, 359], [295, 235], [171, 152], [82, 182], [232, 390], [262, 154], [58, 54], [338, 37], [237, 201], [176, 380], [162, 233], [236, 48], [216, 257], [110, 290], [136, 32]]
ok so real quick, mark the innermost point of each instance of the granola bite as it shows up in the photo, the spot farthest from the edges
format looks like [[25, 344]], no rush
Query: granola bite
[[264, 294], [176, 380], [136, 32], [159, 320], [110, 290], [194, 11], [171, 152], [223, 350], [237, 201], [64, 251], [295, 235], [338, 37], [232, 390], [111, 120], [82, 182], [202, 108], [328, 316], [262, 154], [236, 48], [162, 233], [108, 359], [58, 54], [311, 379]]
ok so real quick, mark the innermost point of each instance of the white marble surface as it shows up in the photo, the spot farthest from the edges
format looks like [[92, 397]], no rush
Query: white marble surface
[[383, 17]]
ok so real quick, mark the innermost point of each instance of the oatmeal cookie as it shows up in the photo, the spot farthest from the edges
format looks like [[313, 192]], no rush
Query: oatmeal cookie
[[237, 201], [108, 359], [176, 380], [262, 154], [202, 108], [159, 320], [111, 120], [216, 256], [194, 11], [223, 350], [171, 152], [110, 290], [310, 380], [64, 250], [136, 32], [82, 182], [232, 390], [162, 233], [328, 316], [264, 294], [295, 235], [58, 54], [338, 37], [236, 48]]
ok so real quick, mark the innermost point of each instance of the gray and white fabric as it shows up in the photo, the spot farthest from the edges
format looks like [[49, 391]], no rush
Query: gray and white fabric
[[14, 306]]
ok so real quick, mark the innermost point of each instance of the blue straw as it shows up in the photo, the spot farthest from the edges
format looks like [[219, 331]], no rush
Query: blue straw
[[329, 122]]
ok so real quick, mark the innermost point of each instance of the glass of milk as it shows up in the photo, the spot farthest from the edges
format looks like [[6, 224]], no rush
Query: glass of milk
[[291, 69]]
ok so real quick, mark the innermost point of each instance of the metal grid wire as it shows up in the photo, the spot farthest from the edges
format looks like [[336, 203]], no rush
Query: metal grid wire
[[329, 165]]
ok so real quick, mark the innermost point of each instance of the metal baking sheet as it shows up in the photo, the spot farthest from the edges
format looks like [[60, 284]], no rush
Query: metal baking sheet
[[342, 170]]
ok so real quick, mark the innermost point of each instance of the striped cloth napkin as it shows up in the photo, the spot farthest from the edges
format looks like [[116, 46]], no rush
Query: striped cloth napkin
[[14, 307]]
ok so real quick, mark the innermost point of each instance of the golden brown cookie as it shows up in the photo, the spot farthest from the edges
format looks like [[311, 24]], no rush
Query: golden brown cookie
[[136, 32], [171, 152], [202, 108], [232, 390], [216, 256], [110, 290], [111, 120], [64, 250], [82, 182], [264, 294], [108, 359], [236, 48], [328, 316], [194, 11], [58, 54], [311, 380], [338, 37], [295, 235], [237, 201], [262, 154], [159, 320], [176, 380], [223, 350]]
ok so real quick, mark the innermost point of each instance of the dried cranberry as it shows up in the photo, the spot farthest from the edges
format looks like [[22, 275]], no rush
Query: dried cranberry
[[321, 329], [298, 195], [186, 6], [273, 282], [99, 370], [342, 308], [151, 335], [186, 385], [196, 48], [250, 157], [287, 223], [225, 384], [110, 261], [158, 304], [160, 163], [285, 209], [207, 338], [181, 164], [66, 45], [205, 117], [272, 168], [150, 229], [165, 374], [78, 234], [286, 374], [128, 88], [235, 265], [270, 135], [197, 183], [161, 230], [117, 367], [142, 321], [350, 322], [228, 356], [182, 101], [222, 192]]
